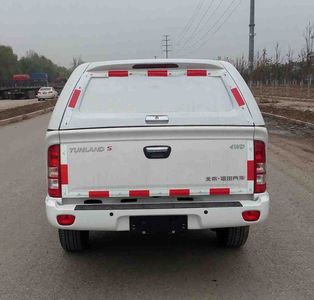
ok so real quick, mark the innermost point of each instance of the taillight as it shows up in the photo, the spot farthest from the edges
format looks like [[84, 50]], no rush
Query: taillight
[[251, 215], [259, 167], [54, 186], [65, 220]]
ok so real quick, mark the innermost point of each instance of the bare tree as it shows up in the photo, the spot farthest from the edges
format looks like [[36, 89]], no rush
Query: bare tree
[[264, 58], [309, 39], [292, 67], [30, 53], [241, 64], [277, 58], [76, 61], [277, 61], [289, 66], [257, 60], [290, 55], [302, 57]]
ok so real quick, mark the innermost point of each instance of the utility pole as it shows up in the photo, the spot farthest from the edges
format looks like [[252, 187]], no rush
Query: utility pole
[[251, 36], [165, 45]]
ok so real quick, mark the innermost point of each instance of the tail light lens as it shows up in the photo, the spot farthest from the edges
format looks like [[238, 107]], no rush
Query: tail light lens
[[54, 186], [259, 167], [251, 215], [65, 220]]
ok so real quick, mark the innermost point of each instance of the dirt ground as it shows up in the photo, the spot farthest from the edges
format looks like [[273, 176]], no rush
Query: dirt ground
[[293, 91], [19, 108], [294, 108], [282, 102], [306, 116], [5, 104], [291, 130], [295, 101], [294, 144]]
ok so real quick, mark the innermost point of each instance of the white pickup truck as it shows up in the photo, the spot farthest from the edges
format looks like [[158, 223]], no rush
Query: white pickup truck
[[156, 145]]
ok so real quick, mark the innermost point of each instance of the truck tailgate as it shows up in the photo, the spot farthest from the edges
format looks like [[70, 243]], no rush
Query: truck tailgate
[[112, 162]]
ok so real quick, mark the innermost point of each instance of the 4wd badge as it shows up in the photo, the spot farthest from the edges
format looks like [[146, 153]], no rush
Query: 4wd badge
[[237, 146]]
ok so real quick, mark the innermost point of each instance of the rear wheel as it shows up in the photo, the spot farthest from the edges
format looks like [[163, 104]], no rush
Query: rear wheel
[[73, 240], [233, 237]]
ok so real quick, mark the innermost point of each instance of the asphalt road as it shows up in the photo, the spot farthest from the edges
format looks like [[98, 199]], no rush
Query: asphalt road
[[276, 263]]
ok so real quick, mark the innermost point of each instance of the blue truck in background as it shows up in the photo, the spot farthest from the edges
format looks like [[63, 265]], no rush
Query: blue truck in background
[[39, 77]]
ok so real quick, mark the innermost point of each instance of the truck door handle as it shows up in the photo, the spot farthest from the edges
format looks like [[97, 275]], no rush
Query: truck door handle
[[156, 152]]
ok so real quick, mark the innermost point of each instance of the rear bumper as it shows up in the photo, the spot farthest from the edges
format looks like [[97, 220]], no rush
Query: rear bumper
[[104, 218], [45, 96]]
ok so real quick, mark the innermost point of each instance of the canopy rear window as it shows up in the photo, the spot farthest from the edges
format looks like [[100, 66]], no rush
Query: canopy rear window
[[158, 95]]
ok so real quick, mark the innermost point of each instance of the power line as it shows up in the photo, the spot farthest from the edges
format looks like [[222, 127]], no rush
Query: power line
[[205, 37], [165, 44], [227, 18], [190, 21], [205, 40], [192, 35], [209, 17]]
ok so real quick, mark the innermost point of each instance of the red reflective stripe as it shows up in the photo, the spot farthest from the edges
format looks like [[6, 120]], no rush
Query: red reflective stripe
[[196, 73], [139, 193], [159, 73], [250, 170], [118, 73], [74, 98], [64, 174], [179, 192], [237, 96], [100, 194], [219, 191]]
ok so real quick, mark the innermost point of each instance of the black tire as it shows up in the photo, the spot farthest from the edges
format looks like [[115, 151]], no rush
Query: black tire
[[73, 240], [233, 237]]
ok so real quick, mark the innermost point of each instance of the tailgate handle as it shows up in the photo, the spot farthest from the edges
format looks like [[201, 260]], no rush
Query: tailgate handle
[[155, 152], [157, 119]]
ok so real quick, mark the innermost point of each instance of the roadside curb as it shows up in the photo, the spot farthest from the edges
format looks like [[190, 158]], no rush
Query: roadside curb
[[26, 116], [288, 119]]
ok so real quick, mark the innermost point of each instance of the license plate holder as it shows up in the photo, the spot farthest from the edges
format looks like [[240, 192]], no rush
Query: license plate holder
[[158, 224]]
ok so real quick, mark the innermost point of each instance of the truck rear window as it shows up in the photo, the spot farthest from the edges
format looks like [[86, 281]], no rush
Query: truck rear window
[[139, 94]]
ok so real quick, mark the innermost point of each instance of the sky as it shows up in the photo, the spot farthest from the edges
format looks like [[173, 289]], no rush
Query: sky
[[124, 29]]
